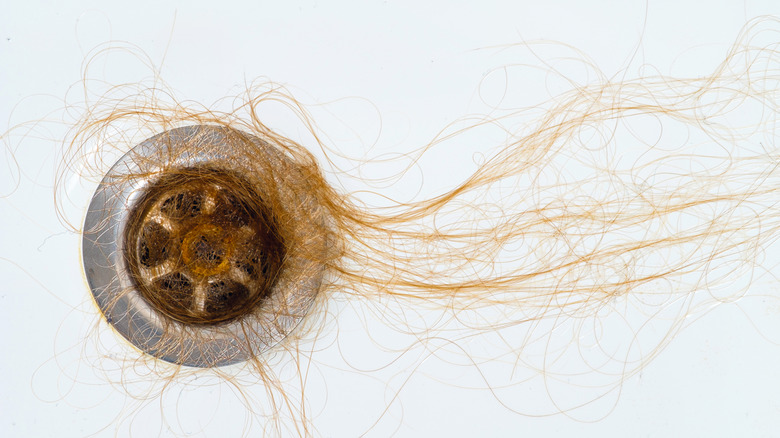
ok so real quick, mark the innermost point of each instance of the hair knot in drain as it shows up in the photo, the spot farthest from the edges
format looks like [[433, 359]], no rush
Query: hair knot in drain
[[206, 246], [202, 247]]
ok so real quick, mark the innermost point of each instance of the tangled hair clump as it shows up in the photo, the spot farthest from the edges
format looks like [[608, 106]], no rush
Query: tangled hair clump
[[576, 227]]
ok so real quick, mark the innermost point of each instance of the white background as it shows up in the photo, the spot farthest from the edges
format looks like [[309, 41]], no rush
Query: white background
[[416, 66]]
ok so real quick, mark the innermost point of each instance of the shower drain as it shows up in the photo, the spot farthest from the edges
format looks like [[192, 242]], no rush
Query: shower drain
[[201, 246], [185, 252]]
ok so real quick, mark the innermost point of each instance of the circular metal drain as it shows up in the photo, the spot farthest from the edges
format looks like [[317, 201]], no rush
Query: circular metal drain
[[200, 252], [185, 252]]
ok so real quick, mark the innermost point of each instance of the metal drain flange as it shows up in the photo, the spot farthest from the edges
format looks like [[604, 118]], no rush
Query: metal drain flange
[[184, 251]]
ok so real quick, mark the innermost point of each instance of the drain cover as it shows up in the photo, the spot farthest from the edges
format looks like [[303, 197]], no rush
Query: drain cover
[[186, 253]]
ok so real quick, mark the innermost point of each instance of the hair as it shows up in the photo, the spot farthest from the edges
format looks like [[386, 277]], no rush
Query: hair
[[608, 217]]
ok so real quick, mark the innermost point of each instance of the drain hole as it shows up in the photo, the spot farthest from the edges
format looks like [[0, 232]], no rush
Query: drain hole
[[206, 251], [230, 211], [225, 296], [176, 283], [248, 264], [175, 294], [153, 245], [182, 205], [254, 264]]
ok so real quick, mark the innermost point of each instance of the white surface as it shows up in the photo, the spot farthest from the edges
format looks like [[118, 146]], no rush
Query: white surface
[[414, 66]]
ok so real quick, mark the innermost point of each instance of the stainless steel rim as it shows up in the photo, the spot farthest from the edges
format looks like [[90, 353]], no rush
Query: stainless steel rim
[[148, 329]]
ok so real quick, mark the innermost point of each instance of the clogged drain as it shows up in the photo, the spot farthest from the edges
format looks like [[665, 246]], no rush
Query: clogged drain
[[206, 246], [201, 247]]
